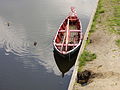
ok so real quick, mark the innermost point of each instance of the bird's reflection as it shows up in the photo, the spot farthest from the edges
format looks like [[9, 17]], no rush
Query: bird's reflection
[[65, 63]]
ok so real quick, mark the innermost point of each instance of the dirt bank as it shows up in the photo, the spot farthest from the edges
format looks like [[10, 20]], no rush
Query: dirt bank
[[107, 63]]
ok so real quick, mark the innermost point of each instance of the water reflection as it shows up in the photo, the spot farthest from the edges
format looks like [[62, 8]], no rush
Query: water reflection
[[12, 38], [35, 20], [65, 63]]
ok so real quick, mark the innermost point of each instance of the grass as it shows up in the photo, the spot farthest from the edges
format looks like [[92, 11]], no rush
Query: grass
[[118, 42], [114, 21], [87, 42], [107, 17], [99, 11], [85, 57], [110, 22]]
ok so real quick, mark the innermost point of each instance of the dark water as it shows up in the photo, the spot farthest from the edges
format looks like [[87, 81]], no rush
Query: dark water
[[24, 66]]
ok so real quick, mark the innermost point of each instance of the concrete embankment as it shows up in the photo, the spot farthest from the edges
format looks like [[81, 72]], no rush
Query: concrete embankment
[[74, 75]]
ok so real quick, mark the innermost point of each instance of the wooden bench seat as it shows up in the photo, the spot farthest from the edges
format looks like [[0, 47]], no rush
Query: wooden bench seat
[[65, 44], [70, 30]]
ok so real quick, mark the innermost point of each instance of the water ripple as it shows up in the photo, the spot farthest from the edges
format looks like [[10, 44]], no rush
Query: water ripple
[[12, 38]]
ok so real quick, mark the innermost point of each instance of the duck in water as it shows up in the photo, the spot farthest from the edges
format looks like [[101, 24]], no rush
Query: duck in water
[[35, 43]]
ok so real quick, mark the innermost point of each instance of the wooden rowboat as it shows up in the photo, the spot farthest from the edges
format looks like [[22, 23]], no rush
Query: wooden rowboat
[[69, 35]]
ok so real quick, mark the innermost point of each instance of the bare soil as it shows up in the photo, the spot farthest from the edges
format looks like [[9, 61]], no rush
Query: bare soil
[[107, 64]]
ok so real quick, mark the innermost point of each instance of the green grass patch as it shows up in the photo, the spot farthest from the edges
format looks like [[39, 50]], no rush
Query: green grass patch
[[118, 42], [87, 41], [85, 57], [93, 27], [113, 29], [99, 11], [114, 21]]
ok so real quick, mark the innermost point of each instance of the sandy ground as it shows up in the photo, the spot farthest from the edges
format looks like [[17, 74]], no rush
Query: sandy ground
[[107, 63]]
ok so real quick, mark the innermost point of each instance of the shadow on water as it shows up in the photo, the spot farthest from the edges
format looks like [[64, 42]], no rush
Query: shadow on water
[[65, 63], [16, 76], [24, 64]]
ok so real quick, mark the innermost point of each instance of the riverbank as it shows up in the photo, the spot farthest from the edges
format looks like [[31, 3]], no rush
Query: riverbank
[[104, 38]]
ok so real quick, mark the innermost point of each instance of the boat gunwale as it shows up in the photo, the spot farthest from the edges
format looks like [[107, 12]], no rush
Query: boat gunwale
[[58, 32]]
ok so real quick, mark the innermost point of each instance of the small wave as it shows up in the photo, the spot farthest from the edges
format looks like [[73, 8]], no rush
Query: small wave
[[13, 39]]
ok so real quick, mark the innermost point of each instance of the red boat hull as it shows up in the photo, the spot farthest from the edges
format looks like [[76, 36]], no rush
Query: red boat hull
[[69, 35]]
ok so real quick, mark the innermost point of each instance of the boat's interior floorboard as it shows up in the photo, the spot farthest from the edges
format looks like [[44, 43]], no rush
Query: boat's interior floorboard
[[74, 35]]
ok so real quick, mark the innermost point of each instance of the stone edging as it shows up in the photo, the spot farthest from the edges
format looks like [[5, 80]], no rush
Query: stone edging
[[74, 75]]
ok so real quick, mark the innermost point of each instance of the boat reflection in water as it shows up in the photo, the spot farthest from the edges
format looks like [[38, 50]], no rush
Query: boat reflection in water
[[65, 63]]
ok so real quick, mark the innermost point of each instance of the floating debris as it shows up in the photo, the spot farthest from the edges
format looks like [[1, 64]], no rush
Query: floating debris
[[8, 23]]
